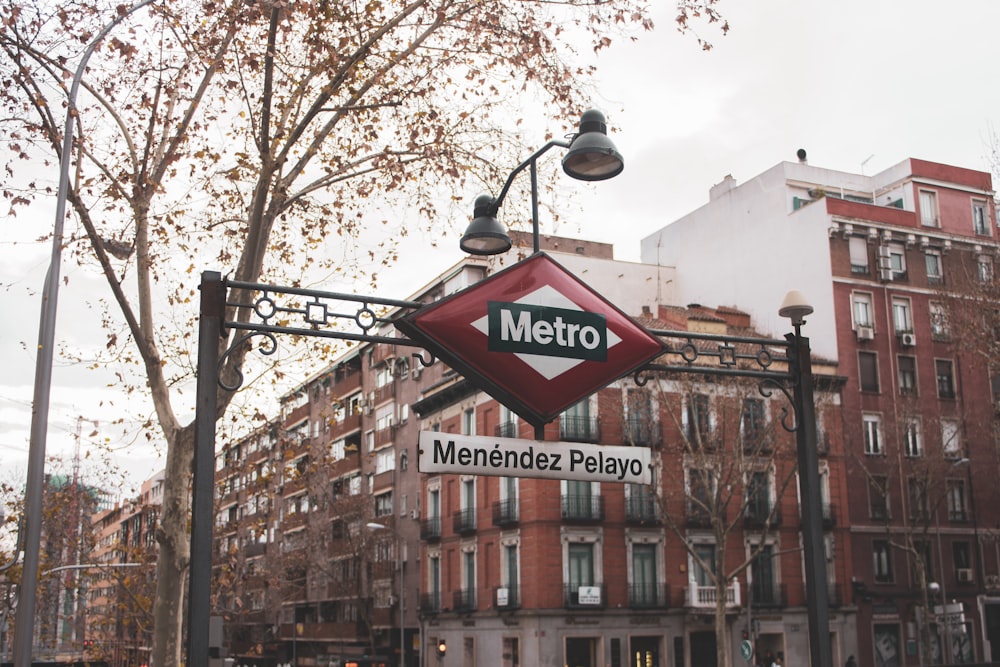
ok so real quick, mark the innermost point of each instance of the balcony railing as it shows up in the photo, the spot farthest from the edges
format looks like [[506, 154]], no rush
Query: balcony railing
[[579, 429], [507, 430], [507, 597], [648, 596], [758, 515], [430, 603], [585, 597], [463, 522], [582, 507], [463, 600], [505, 512], [644, 510], [430, 529], [704, 597], [773, 596], [642, 432]]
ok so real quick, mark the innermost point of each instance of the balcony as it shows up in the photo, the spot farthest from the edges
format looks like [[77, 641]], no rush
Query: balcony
[[507, 430], [507, 597], [642, 510], [704, 597], [430, 603], [582, 507], [349, 424], [759, 515], [430, 529], [463, 600], [585, 597], [579, 429], [648, 596], [463, 522], [505, 513], [642, 432], [773, 596]]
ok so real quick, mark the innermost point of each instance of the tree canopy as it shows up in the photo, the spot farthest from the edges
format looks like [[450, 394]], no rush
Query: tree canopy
[[248, 135]]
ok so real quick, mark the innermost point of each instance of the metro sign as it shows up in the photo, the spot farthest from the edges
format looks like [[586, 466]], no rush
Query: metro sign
[[533, 336]]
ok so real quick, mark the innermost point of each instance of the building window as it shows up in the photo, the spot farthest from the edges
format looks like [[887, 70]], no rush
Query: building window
[[961, 555], [383, 504], [434, 582], [984, 269], [863, 310], [644, 587], [917, 493], [753, 421], [945, 378], [882, 557], [935, 273], [872, 426], [979, 216], [643, 428], [912, 445], [763, 584], [868, 371], [703, 567], [858, 247], [897, 261], [468, 600], [901, 320], [907, 375], [576, 423], [939, 321], [956, 500], [758, 497], [469, 421], [878, 497], [697, 424], [580, 563], [929, 209], [951, 439]]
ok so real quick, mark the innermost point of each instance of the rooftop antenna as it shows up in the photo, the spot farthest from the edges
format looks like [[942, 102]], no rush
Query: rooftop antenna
[[864, 162]]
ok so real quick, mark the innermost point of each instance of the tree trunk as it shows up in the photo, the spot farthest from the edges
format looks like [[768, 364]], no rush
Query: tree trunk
[[173, 536]]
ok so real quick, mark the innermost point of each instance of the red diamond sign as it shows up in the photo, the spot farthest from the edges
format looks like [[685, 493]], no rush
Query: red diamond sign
[[533, 336]]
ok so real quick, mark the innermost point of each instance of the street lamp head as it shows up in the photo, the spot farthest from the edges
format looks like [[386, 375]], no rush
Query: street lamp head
[[933, 588], [795, 307], [592, 156], [371, 525], [485, 235]]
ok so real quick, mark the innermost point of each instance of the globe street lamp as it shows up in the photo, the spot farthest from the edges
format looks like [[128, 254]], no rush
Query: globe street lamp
[[591, 156], [796, 308]]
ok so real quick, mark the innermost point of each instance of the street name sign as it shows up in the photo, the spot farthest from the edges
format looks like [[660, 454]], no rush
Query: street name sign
[[515, 457], [533, 336]]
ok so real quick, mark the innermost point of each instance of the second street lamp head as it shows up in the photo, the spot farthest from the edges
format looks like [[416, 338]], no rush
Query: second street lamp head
[[795, 307], [592, 156], [485, 235]]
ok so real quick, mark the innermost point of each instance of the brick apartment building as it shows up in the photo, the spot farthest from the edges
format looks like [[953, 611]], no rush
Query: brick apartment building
[[884, 259], [330, 543]]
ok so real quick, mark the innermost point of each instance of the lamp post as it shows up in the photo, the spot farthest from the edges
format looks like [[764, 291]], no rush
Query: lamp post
[[25, 616], [796, 308], [590, 156], [371, 525]]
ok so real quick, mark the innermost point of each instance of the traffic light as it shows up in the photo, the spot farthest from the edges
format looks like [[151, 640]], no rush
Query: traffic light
[[442, 648]]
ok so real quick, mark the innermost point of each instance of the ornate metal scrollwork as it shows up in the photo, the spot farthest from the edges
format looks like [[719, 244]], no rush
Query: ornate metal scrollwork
[[269, 347]]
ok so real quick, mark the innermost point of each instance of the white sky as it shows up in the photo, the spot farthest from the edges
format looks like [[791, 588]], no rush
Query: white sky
[[852, 82]]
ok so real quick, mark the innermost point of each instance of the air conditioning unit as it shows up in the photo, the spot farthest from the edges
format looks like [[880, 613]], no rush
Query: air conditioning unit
[[414, 514], [964, 574], [415, 370], [907, 340], [865, 333]]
